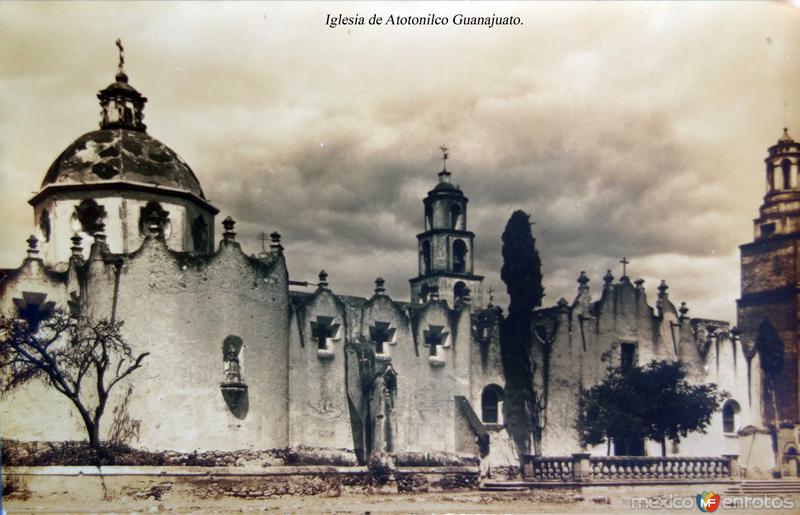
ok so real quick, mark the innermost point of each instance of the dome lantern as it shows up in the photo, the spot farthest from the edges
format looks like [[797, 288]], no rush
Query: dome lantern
[[123, 106]]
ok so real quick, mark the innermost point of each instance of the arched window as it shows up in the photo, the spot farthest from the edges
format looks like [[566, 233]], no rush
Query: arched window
[[426, 257], [729, 411], [89, 214], [428, 217], [200, 234], [459, 256], [455, 215], [459, 290], [770, 177], [44, 224], [492, 403], [153, 217], [786, 167]]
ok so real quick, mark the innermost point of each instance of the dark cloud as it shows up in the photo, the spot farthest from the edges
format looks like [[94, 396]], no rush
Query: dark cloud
[[624, 129]]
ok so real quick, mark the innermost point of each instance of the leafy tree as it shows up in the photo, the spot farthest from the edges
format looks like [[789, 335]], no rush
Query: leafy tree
[[654, 402], [523, 277], [65, 350]]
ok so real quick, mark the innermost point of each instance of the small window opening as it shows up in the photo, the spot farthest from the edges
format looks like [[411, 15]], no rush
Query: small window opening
[[323, 329], [729, 411], [426, 257], [491, 404], [627, 355], [459, 256]]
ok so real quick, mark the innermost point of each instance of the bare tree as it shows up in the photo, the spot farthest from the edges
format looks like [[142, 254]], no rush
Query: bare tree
[[65, 350]]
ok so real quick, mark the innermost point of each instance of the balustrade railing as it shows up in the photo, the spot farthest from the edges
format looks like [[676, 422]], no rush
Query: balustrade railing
[[551, 468], [583, 468]]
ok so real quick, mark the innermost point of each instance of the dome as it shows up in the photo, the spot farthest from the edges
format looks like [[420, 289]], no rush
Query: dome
[[446, 186], [122, 155]]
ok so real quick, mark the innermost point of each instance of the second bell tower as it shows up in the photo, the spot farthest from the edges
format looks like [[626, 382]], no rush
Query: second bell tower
[[446, 248]]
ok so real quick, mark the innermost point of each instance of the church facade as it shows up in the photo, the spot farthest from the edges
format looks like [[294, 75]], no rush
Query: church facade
[[238, 360]]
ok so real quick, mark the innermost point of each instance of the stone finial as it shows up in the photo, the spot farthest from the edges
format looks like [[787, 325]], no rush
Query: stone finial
[[662, 290], [228, 234], [608, 278], [434, 292], [639, 284], [323, 279], [275, 244], [77, 250], [785, 138], [683, 310], [563, 304], [379, 288], [33, 244], [583, 281]]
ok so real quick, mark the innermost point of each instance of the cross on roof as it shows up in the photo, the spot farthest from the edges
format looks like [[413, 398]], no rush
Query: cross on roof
[[263, 237], [625, 264], [121, 55], [445, 157]]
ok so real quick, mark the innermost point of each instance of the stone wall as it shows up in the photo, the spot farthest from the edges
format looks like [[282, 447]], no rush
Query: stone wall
[[575, 344], [169, 483]]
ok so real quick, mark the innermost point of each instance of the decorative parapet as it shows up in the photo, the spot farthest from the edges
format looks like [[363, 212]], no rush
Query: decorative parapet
[[585, 468]]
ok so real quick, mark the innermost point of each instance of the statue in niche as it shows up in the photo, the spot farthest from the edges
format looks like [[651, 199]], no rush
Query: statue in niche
[[234, 389], [233, 372]]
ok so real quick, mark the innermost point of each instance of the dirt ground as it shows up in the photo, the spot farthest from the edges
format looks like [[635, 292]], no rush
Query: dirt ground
[[428, 503], [467, 502]]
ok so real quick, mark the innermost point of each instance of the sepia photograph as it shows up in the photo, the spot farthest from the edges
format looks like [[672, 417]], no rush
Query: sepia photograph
[[400, 257]]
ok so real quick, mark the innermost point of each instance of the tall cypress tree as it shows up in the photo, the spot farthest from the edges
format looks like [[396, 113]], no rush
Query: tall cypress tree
[[522, 268], [522, 275]]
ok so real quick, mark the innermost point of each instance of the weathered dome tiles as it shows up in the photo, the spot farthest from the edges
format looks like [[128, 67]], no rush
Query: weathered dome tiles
[[122, 155]]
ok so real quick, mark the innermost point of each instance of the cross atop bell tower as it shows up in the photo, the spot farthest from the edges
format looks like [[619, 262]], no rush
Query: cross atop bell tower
[[446, 246]]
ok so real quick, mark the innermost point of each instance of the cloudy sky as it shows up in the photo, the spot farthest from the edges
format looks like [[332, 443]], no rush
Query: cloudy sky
[[633, 129]]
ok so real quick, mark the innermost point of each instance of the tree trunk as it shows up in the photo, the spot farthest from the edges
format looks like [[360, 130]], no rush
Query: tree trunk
[[92, 425], [94, 436], [663, 446]]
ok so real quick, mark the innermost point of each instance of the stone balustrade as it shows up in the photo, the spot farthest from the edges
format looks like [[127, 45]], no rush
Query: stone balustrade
[[550, 468], [583, 467]]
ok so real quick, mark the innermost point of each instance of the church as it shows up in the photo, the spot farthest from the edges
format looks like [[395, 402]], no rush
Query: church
[[241, 359]]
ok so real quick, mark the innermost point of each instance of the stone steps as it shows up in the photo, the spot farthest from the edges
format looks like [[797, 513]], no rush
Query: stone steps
[[503, 486], [765, 487]]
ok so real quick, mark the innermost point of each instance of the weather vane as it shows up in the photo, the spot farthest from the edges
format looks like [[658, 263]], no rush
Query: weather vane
[[121, 55], [445, 157]]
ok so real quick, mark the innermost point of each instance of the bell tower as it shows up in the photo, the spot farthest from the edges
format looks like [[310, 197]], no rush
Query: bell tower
[[446, 247], [768, 310]]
